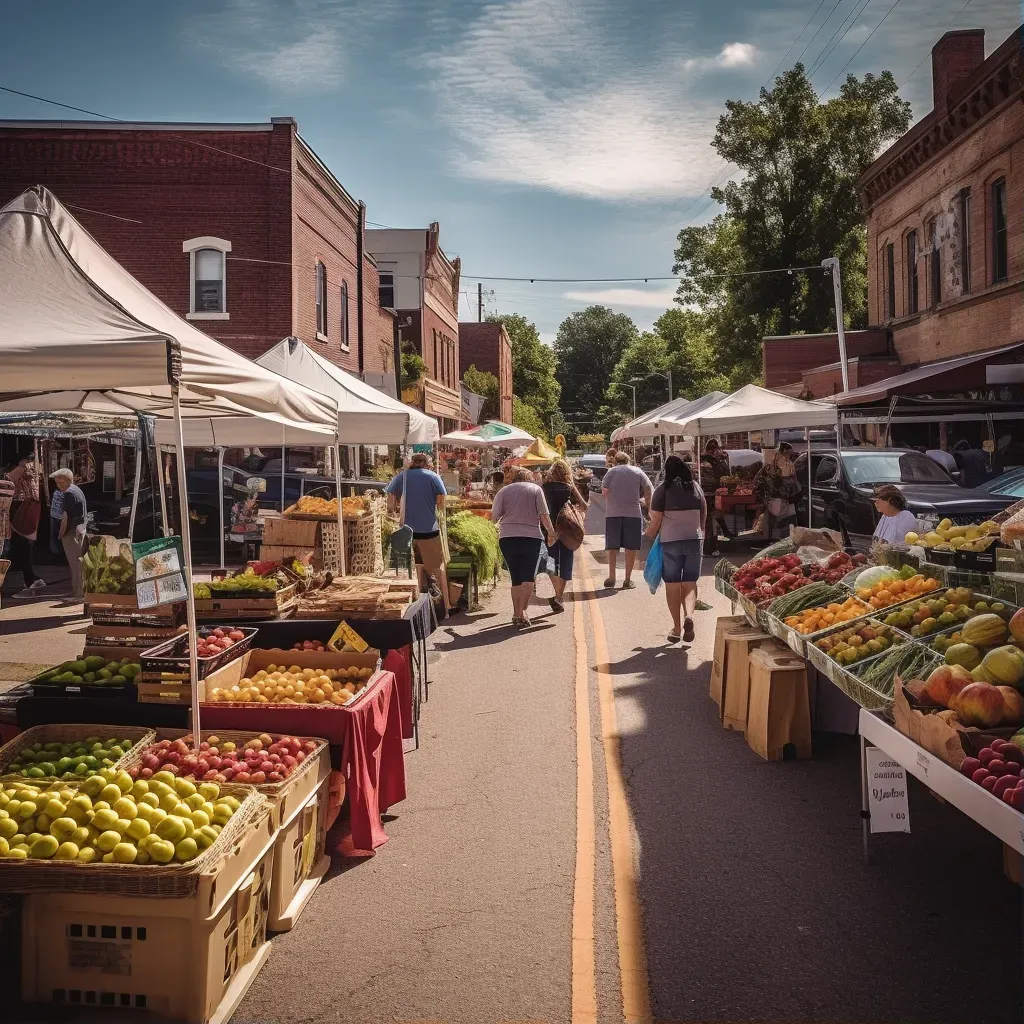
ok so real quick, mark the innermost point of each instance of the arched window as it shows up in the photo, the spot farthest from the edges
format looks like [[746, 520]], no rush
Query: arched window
[[321, 302], [344, 314], [207, 299]]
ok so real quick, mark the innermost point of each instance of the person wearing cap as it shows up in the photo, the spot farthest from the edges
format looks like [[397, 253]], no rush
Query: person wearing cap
[[71, 530]]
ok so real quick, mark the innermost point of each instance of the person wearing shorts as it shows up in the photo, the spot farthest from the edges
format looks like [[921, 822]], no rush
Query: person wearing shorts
[[424, 499], [559, 491], [520, 511], [678, 514], [624, 487]]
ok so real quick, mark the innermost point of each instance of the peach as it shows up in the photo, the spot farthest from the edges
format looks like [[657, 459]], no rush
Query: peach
[[1017, 625], [945, 683], [1014, 713], [980, 704]]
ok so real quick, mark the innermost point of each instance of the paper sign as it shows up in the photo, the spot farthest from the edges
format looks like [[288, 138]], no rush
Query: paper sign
[[345, 634], [159, 572], [988, 446], [887, 793]]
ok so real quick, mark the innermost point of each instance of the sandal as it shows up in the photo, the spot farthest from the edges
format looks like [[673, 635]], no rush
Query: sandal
[[674, 638], [609, 583], [628, 585], [688, 633], [556, 605]]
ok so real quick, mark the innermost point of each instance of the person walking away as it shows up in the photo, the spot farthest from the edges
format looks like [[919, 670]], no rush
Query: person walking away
[[895, 521], [559, 491], [25, 526], [679, 514], [624, 487], [521, 512], [72, 527], [424, 497], [714, 464]]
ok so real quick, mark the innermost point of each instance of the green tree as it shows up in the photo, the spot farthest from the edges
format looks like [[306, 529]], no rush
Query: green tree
[[533, 364], [691, 354], [796, 203], [588, 347], [524, 415], [480, 382], [642, 359], [413, 367]]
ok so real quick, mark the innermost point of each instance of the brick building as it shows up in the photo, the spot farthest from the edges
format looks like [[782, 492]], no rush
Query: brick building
[[422, 284], [240, 228], [945, 208], [488, 347]]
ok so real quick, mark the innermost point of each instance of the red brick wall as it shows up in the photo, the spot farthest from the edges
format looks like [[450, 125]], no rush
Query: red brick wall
[[169, 188], [440, 348], [487, 347], [784, 360], [825, 381], [378, 326], [954, 57]]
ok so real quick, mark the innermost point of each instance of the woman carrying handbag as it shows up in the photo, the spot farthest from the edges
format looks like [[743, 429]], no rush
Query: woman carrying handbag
[[568, 510]]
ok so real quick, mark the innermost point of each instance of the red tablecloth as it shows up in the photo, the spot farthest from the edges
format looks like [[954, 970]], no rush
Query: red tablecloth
[[399, 662], [369, 731]]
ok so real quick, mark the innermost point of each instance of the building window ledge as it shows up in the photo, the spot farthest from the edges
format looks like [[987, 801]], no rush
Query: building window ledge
[[321, 337], [207, 316], [344, 348], [960, 302]]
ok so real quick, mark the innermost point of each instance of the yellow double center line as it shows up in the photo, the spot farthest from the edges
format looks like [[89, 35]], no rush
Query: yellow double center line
[[636, 1007]]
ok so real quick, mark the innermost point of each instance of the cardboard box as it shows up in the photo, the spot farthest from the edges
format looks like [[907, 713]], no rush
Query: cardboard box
[[299, 859], [182, 959], [254, 660], [922, 723]]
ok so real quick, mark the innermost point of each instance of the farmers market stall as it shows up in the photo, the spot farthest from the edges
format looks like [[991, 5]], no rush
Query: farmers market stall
[[492, 434]]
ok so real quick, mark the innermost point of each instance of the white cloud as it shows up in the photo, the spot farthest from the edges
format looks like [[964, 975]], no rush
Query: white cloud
[[548, 98], [639, 298], [298, 46]]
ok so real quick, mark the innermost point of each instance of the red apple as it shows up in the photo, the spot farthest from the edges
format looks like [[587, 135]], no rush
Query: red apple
[[980, 775], [979, 704], [242, 777], [146, 773], [989, 782], [258, 778], [275, 777]]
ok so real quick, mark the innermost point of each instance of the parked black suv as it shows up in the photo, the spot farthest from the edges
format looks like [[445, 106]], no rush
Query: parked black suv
[[850, 476]]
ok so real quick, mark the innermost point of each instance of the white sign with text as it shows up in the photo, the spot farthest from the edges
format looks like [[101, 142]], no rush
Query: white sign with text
[[887, 793]]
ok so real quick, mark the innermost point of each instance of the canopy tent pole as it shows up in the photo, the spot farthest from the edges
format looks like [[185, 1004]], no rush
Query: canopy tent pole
[[810, 507], [282, 470], [220, 500], [186, 544], [341, 522], [165, 524], [135, 489]]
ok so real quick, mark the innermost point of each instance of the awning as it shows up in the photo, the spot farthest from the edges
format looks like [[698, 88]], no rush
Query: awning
[[754, 408], [492, 434], [962, 373], [662, 420]]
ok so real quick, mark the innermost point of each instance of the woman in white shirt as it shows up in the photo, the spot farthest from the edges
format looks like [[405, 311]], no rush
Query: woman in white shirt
[[895, 522]]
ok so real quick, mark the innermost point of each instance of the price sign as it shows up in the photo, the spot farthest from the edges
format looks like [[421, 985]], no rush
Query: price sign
[[887, 793], [346, 636], [159, 572]]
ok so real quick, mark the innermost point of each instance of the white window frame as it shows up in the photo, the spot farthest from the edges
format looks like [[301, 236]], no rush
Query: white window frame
[[346, 345], [320, 301], [192, 246]]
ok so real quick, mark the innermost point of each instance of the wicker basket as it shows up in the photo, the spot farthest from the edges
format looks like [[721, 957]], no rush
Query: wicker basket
[[71, 733], [162, 881], [364, 552]]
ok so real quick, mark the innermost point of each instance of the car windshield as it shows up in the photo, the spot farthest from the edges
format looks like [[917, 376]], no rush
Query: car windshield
[[1010, 483], [870, 468]]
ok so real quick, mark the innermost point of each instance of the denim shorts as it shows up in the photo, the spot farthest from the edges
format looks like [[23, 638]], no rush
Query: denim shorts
[[681, 561], [521, 555], [623, 532], [563, 559]]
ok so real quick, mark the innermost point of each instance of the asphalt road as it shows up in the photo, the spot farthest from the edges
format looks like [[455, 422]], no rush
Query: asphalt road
[[755, 904]]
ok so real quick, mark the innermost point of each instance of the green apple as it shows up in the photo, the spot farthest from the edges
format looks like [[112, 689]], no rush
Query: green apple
[[108, 840]]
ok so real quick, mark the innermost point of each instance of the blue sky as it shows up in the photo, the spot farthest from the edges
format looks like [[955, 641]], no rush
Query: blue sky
[[550, 138]]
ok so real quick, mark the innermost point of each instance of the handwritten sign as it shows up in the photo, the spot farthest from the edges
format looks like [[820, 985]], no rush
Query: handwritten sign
[[159, 572], [887, 793], [345, 637]]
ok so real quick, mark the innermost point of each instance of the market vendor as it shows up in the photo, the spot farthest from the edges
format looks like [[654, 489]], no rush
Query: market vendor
[[895, 521], [423, 499]]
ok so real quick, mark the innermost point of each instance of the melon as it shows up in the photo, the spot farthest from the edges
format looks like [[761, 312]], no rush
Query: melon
[[873, 575]]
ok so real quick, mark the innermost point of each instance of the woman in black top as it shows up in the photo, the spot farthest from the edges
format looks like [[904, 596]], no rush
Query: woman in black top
[[559, 490]]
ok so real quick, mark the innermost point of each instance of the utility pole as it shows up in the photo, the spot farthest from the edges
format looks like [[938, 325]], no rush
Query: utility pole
[[832, 264], [480, 302], [670, 385]]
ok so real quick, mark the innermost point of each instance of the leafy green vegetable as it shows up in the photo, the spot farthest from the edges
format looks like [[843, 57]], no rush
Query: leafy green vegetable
[[478, 537]]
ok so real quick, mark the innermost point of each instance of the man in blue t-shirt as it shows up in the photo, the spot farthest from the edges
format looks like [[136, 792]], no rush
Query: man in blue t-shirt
[[423, 500]]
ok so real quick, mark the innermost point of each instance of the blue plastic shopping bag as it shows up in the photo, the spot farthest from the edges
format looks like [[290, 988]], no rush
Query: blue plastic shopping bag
[[653, 566]]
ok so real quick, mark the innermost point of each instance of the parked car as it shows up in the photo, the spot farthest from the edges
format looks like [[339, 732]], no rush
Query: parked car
[[1009, 484], [847, 479], [595, 465]]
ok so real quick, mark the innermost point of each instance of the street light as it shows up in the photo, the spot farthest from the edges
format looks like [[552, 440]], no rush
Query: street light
[[664, 376], [615, 384]]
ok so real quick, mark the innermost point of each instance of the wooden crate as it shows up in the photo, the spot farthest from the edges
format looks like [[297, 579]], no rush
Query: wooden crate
[[726, 624], [291, 533], [778, 712], [738, 646]]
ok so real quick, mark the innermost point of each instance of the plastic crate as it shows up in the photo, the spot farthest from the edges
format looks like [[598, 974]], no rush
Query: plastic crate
[[299, 859], [169, 660], [189, 959]]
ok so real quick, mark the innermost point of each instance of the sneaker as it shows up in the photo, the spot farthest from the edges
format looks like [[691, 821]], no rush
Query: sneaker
[[37, 584], [610, 583], [27, 594]]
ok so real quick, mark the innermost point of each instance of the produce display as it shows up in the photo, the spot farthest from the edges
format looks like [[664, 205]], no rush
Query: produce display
[[212, 641], [112, 818], [70, 760], [246, 582], [317, 646], [91, 671], [973, 701], [327, 508], [763, 579], [277, 684], [881, 592], [956, 605], [997, 768], [102, 574], [947, 537], [858, 642], [907, 661], [257, 760], [380, 597], [734, 485], [813, 619], [478, 537]]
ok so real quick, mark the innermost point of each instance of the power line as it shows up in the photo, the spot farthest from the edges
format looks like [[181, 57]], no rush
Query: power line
[[928, 53], [859, 7], [797, 40], [859, 48], [810, 41]]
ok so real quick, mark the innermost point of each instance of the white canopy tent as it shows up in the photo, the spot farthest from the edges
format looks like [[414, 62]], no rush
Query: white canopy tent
[[657, 421], [492, 434], [78, 332]]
